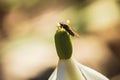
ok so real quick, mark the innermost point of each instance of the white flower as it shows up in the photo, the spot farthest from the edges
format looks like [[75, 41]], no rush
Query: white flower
[[70, 69]]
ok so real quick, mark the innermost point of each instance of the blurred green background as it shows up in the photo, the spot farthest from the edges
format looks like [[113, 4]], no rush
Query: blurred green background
[[27, 28]]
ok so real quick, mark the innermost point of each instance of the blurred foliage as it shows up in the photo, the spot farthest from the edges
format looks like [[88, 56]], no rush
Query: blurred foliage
[[78, 11], [36, 18], [33, 4]]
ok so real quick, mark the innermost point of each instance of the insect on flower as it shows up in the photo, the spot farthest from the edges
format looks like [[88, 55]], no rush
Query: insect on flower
[[68, 68], [69, 30]]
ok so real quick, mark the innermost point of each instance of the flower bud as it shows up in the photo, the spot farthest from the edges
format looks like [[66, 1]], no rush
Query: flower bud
[[63, 44]]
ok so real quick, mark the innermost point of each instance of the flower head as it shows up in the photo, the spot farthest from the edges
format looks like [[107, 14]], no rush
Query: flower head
[[68, 68]]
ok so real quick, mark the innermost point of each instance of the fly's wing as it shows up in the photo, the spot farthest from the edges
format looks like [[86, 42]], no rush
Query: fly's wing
[[75, 33]]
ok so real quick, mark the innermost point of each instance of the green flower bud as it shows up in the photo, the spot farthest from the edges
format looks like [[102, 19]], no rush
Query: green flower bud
[[63, 44]]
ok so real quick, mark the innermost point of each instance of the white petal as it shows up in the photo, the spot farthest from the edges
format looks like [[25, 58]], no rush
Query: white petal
[[61, 70], [53, 75], [68, 70], [72, 70], [91, 74]]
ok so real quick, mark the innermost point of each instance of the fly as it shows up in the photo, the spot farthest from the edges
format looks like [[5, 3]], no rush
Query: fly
[[69, 30]]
